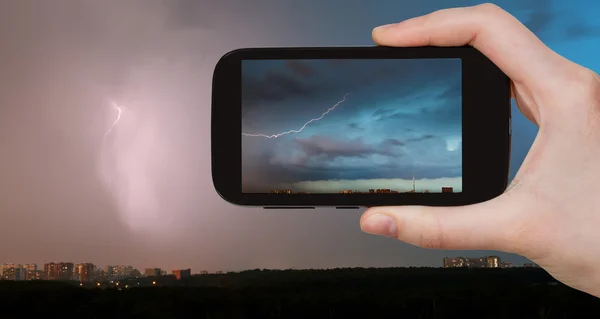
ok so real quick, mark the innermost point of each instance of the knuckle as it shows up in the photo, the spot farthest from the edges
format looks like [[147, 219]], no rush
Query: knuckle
[[488, 9]]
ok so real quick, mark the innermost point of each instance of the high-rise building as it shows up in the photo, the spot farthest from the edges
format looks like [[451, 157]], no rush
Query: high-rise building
[[109, 272], [77, 272], [182, 273], [30, 271], [476, 262], [50, 271], [13, 272], [119, 272], [152, 272], [64, 271], [448, 189], [454, 262], [493, 262], [86, 272]]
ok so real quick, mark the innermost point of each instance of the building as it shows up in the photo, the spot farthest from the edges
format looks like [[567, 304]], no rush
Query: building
[[13, 272], [447, 190], [30, 271], [39, 275], [109, 272], [454, 262], [493, 261], [120, 272], [182, 273], [505, 265], [152, 272], [65, 271], [282, 191], [477, 262], [50, 271], [76, 272], [86, 272]]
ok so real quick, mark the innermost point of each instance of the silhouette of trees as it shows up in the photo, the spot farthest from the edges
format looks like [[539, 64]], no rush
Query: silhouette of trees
[[337, 293]]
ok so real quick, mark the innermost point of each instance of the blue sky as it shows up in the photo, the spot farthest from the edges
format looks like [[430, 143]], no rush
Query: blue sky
[[392, 119]]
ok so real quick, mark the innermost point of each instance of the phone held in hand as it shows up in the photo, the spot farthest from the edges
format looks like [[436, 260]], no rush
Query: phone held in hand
[[359, 126]]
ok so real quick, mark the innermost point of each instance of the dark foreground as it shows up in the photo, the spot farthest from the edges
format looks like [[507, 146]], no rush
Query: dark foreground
[[340, 293]]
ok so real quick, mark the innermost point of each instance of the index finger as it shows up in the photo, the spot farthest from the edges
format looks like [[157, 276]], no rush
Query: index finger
[[489, 29]]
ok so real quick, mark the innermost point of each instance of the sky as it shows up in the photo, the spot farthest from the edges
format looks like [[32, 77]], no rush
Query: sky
[[143, 195], [324, 126]]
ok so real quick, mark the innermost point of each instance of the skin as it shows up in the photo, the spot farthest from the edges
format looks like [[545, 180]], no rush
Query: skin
[[551, 211]]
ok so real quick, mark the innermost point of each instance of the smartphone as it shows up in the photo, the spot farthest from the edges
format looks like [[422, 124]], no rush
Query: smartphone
[[352, 127]]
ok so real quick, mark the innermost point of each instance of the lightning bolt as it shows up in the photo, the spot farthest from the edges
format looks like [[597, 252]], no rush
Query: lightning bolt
[[116, 120], [303, 126], [103, 158]]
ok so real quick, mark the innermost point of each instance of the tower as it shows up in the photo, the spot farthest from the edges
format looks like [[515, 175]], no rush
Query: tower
[[413, 181]]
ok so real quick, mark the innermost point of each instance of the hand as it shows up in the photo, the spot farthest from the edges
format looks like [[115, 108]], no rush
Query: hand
[[551, 211]]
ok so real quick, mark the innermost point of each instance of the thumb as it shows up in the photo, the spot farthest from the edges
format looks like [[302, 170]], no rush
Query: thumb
[[483, 226]]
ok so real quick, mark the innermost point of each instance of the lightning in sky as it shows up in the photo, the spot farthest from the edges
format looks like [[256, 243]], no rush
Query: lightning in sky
[[116, 120], [104, 160], [303, 126]]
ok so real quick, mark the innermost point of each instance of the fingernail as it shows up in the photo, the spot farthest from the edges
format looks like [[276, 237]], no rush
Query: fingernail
[[383, 27], [378, 224]]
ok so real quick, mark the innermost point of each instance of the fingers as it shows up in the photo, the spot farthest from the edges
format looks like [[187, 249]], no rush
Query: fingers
[[491, 30], [484, 226]]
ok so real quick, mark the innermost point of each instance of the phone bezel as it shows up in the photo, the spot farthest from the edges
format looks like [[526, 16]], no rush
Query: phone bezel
[[486, 128]]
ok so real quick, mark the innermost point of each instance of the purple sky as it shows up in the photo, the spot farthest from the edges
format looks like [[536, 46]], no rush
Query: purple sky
[[143, 195]]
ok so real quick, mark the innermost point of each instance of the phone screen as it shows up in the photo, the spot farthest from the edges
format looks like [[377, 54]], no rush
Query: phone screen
[[344, 126]]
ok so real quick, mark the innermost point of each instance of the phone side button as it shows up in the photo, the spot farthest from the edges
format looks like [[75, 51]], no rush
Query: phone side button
[[288, 207]]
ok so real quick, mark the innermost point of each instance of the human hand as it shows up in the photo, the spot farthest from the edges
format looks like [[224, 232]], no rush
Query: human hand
[[550, 213]]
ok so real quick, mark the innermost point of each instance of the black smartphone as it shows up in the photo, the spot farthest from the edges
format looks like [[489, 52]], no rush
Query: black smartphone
[[351, 127]]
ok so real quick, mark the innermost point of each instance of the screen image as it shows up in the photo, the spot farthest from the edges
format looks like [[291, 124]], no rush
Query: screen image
[[324, 126]]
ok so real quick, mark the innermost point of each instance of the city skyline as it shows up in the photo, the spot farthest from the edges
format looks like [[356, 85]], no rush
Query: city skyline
[[83, 272], [90, 272], [321, 125], [57, 90]]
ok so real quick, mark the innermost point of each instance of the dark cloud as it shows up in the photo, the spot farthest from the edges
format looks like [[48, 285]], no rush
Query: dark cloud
[[539, 21], [354, 126], [330, 149], [303, 80], [576, 31], [383, 112], [421, 138], [299, 68], [275, 86], [393, 142]]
